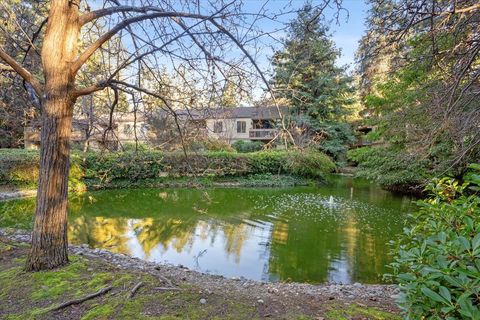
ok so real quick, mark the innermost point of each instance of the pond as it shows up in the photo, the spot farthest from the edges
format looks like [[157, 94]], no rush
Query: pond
[[337, 232]]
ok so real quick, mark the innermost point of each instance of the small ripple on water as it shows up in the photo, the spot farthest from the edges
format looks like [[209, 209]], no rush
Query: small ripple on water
[[318, 208]]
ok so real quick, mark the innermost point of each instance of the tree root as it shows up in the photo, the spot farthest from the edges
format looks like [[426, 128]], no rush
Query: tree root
[[167, 289], [80, 300], [165, 280], [134, 289]]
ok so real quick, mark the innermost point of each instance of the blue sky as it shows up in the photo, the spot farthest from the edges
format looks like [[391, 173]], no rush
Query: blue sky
[[348, 33]]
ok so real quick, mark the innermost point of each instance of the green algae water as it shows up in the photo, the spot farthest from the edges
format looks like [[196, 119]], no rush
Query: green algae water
[[337, 232]]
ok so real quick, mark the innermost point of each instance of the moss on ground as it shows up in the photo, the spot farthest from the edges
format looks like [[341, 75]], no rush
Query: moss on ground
[[33, 295], [354, 311]]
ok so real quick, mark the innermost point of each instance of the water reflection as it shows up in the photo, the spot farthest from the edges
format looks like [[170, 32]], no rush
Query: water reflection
[[335, 233]]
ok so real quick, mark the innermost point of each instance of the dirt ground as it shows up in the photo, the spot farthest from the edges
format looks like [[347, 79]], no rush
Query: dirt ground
[[141, 290]]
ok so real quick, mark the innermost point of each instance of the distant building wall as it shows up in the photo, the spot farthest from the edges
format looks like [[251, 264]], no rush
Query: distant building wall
[[230, 128]]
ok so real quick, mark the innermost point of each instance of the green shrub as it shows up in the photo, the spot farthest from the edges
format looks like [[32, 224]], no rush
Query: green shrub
[[243, 146], [140, 146], [128, 167], [309, 164], [154, 164], [437, 263], [209, 144], [392, 169], [19, 167]]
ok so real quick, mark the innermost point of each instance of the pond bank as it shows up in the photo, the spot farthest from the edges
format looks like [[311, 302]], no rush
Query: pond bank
[[9, 192], [172, 292]]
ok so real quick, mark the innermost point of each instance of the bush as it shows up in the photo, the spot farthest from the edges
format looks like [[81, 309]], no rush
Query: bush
[[392, 169], [140, 146], [19, 167], [243, 146], [102, 168], [309, 164], [437, 263], [209, 144]]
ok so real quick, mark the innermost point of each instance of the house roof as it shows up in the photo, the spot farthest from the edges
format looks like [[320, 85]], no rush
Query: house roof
[[256, 113]]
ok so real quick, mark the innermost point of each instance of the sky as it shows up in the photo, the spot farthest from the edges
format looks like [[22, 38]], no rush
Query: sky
[[347, 34]]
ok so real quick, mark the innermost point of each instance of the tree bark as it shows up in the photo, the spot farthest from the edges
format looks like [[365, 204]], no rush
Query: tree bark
[[49, 236]]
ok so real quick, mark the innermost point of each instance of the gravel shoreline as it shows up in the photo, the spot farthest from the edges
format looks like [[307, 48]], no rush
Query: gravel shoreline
[[17, 194], [362, 294]]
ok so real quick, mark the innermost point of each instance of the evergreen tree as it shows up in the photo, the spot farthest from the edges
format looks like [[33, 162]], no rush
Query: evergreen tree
[[317, 90]]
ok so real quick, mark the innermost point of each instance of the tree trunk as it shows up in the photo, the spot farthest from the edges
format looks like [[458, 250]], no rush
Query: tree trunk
[[49, 237]]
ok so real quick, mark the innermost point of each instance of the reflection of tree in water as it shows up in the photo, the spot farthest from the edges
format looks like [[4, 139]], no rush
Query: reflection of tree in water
[[235, 236], [306, 249], [99, 232], [166, 231], [302, 249]]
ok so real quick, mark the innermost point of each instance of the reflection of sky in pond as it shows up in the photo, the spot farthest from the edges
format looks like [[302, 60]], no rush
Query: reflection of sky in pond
[[337, 232]]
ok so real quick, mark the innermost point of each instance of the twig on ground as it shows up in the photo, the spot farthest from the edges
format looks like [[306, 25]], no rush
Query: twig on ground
[[167, 289], [135, 289], [80, 300], [166, 280]]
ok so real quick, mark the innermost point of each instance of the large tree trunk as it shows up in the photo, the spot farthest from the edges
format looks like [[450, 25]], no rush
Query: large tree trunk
[[49, 237]]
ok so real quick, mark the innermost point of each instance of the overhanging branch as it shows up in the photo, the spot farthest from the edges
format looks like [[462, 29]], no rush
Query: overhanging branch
[[125, 23], [21, 71]]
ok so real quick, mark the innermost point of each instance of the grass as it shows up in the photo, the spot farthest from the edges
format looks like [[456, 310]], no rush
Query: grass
[[354, 311]]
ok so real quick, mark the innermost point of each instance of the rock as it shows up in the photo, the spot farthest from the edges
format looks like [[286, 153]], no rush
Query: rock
[[272, 290], [260, 301], [203, 301], [357, 285]]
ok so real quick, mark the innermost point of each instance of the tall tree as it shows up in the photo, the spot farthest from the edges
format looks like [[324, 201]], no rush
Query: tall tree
[[307, 76]]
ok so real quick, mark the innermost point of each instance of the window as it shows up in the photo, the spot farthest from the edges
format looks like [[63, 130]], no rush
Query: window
[[241, 126], [218, 127]]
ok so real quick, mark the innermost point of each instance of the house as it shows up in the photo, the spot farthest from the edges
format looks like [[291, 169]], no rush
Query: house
[[240, 123], [228, 124]]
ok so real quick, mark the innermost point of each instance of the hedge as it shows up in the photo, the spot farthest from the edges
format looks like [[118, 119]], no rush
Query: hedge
[[20, 167]]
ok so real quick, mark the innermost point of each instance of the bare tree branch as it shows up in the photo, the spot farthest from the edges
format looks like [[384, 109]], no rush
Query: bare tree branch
[[24, 73]]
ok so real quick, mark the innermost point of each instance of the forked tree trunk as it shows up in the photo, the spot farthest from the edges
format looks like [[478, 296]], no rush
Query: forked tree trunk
[[49, 236]]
